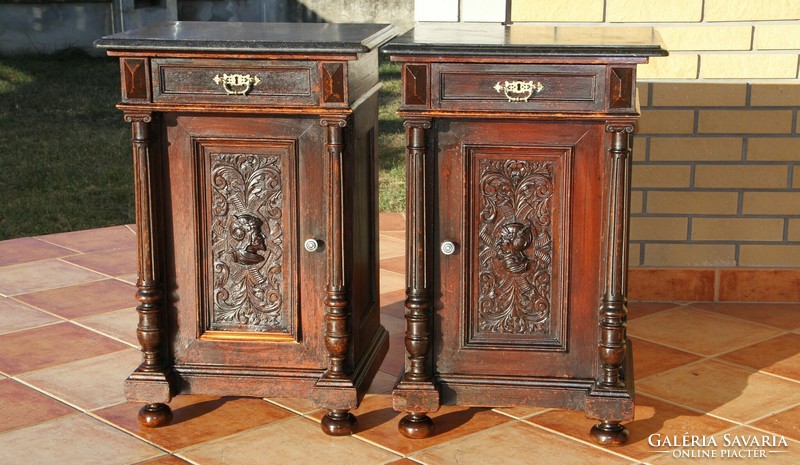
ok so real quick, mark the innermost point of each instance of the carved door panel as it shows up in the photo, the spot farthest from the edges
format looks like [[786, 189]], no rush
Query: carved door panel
[[518, 295], [244, 194]]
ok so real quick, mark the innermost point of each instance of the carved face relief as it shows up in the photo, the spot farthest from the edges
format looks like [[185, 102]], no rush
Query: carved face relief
[[246, 229], [514, 239]]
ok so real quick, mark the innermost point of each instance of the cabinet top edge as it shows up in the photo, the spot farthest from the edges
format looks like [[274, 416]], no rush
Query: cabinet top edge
[[203, 36], [530, 40]]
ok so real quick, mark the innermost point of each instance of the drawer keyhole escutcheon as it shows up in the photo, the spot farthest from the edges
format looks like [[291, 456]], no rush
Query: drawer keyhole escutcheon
[[519, 91], [237, 84], [448, 247], [312, 245]]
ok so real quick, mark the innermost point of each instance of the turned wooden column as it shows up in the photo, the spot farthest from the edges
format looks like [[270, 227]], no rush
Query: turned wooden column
[[416, 392], [338, 327], [151, 330], [613, 312]]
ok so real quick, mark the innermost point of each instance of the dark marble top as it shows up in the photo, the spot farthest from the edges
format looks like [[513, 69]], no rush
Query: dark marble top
[[252, 37], [499, 40]]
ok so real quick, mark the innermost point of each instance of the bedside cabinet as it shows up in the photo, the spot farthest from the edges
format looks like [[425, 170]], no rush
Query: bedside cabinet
[[254, 149], [517, 211]]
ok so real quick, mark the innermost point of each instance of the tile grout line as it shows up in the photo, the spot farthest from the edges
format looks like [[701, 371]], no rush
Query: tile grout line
[[580, 441]]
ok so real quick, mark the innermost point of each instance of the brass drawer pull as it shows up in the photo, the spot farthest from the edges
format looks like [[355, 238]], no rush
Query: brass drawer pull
[[519, 91], [237, 84]]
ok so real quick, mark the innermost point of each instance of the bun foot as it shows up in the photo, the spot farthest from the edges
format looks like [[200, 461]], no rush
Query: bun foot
[[416, 426], [155, 415], [609, 433], [339, 423]]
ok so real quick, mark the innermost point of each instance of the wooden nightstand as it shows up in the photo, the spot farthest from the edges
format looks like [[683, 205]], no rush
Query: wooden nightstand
[[254, 147], [517, 211]]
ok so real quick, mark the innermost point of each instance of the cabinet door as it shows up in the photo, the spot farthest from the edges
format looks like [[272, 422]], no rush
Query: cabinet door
[[243, 194], [522, 201]]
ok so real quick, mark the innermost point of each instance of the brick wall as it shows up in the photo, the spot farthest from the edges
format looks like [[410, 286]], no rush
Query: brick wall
[[716, 169]]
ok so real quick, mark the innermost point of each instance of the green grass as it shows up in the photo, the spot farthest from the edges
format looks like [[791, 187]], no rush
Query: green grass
[[65, 156], [65, 159]]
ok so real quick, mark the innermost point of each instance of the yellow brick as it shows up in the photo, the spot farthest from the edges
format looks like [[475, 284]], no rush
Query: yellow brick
[[675, 66], [717, 203], [745, 121], [794, 230], [561, 11], [773, 149], [706, 37], [769, 255], [741, 177], [666, 122], [796, 178], [636, 202], [639, 149], [660, 176], [771, 203], [737, 229], [633, 254], [658, 229], [689, 94], [692, 255], [777, 37], [695, 149], [643, 93], [751, 10], [748, 66], [775, 95], [619, 11]]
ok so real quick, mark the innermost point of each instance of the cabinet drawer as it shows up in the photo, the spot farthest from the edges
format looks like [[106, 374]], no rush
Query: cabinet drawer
[[562, 88], [286, 83]]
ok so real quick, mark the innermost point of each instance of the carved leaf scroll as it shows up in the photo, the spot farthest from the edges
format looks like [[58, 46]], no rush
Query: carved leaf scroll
[[515, 246], [247, 243]]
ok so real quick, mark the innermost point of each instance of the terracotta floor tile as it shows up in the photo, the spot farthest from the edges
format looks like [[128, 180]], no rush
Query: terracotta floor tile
[[52, 345], [649, 358], [113, 263], [377, 423], [83, 299], [301, 406], [391, 222], [520, 412], [786, 316], [45, 274], [395, 360], [28, 249], [391, 281], [91, 383], [295, 441], [786, 423], [403, 462], [15, 316], [393, 324], [781, 456], [198, 419], [394, 303], [399, 235], [723, 390], [94, 240], [71, 440], [698, 331], [391, 247], [394, 264], [780, 356], [23, 406], [383, 383], [120, 324], [651, 417], [165, 460], [516, 443], [640, 309]]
